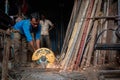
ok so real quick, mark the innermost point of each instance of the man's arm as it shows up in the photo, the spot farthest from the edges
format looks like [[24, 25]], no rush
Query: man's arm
[[51, 25], [37, 43], [28, 35], [32, 45], [37, 37]]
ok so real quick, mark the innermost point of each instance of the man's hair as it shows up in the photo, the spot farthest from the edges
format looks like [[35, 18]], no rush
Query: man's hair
[[34, 15]]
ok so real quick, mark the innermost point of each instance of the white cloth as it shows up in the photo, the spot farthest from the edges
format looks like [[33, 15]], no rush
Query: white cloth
[[45, 26]]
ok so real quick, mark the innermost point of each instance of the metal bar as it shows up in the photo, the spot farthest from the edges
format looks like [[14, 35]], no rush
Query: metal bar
[[106, 46], [109, 71], [112, 79], [103, 17]]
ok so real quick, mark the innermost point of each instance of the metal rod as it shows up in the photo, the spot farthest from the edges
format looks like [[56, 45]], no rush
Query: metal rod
[[109, 71], [100, 46], [103, 17]]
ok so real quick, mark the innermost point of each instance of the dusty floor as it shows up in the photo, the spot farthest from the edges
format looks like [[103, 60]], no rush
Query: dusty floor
[[104, 72], [45, 74]]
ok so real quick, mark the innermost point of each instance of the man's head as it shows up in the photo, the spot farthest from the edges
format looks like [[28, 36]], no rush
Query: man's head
[[43, 17], [34, 19]]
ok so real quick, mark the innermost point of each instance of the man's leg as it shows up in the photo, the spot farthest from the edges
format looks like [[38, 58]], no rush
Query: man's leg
[[41, 41], [48, 42], [24, 51], [17, 48]]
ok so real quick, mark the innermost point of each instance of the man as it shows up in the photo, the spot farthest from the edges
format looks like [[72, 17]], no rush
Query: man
[[22, 33], [46, 26]]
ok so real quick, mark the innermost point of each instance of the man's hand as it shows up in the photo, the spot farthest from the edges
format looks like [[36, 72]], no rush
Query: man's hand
[[32, 45]]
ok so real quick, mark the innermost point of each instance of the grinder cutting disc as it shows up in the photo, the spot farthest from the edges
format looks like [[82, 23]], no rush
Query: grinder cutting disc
[[43, 54]]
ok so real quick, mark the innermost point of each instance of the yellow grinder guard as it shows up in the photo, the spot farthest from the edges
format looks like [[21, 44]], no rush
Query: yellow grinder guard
[[44, 52]]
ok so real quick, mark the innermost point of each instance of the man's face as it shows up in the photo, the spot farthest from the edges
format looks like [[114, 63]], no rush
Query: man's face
[[42, 17], [34, 22]]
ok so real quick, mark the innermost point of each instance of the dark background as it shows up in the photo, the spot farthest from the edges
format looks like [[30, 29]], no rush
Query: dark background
[[54, 9], [58, 11]]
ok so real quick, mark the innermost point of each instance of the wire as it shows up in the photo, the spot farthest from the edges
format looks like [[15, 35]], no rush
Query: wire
[[102, 33]]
